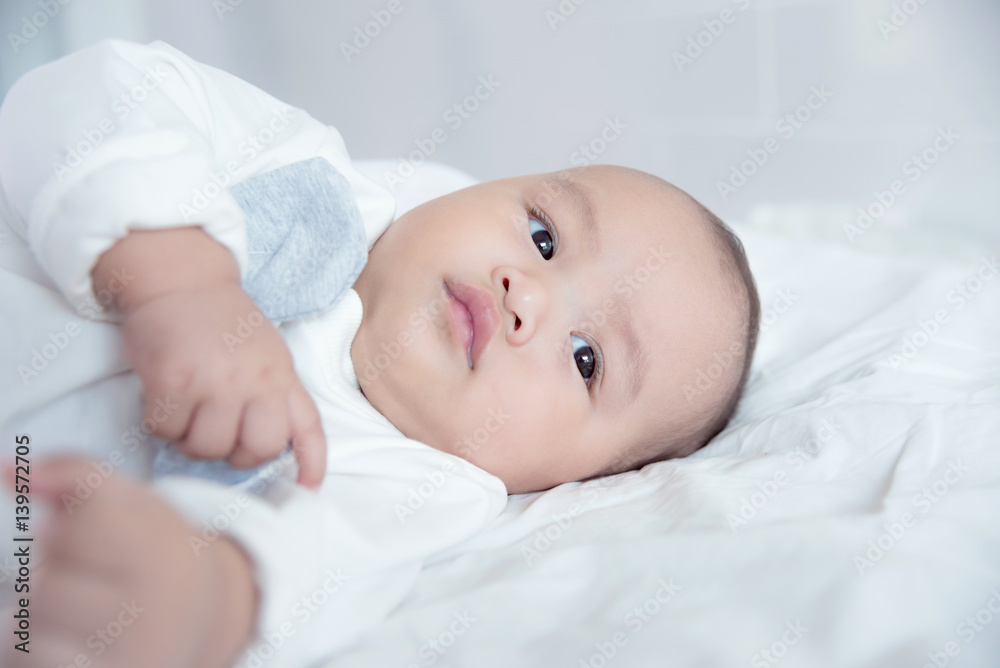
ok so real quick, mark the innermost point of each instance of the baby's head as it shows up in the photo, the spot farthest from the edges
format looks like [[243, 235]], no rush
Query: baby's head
[[557, 327]]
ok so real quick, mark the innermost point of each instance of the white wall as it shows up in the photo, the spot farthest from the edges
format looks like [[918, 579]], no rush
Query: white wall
[[614, 59]]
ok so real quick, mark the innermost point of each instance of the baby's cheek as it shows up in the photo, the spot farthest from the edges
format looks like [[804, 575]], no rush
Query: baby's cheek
[[485, 418]]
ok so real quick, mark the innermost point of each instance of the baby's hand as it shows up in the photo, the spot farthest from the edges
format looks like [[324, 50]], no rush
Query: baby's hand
[[216, 399], [211, 388], [121, 587]]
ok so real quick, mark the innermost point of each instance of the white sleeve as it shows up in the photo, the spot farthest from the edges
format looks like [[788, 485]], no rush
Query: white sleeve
[[121, 136], [332, 564]]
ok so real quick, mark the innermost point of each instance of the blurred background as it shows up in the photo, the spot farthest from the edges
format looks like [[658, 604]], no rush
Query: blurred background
[[788, 114]]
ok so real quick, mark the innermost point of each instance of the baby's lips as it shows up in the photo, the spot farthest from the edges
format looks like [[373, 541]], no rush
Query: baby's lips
[[483, 311]]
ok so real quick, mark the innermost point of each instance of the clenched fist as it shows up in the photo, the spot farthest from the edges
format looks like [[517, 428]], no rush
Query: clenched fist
[[214, 400]]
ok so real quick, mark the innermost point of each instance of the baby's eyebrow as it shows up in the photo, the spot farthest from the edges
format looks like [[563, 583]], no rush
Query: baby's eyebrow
[[581, 201], [635, 352]]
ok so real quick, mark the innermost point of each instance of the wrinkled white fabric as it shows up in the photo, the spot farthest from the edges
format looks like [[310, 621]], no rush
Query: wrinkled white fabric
[[847, 517]]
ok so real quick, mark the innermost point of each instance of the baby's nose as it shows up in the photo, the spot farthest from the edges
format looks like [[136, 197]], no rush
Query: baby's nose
[[525, 302]]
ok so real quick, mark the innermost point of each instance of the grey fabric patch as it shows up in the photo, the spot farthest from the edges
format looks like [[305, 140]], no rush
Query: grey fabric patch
[[307, 245], [305, 238]]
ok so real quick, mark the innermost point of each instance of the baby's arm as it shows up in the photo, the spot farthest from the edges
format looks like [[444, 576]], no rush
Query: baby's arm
[[123, 555], [181, 300], [155, 165]]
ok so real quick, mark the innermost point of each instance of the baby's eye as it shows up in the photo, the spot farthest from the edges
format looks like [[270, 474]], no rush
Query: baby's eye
[[542, 238], [584, 356]]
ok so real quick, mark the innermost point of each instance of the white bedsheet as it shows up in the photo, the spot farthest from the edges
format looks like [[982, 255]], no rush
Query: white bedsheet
[[847, 517], [830, 454]]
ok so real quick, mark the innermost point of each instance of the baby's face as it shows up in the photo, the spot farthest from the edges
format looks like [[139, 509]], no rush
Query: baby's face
[[540, 326]]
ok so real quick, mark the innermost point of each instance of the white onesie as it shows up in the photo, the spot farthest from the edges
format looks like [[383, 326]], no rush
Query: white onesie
[[123, 136]]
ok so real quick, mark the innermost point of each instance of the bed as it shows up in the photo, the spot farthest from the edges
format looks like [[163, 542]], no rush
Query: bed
[[847, 516]]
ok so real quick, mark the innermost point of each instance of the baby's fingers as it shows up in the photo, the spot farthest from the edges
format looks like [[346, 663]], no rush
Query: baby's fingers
[[53, 477], [81, 528], [166, 414], [308, 440], [264, 433], [72, 598], [214, 428]]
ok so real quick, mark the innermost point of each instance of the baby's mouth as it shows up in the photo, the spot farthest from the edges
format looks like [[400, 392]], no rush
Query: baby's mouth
[[473, 317], [460, 321]]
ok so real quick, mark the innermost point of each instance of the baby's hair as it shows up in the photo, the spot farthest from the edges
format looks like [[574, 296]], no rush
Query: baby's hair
[[742, 288]]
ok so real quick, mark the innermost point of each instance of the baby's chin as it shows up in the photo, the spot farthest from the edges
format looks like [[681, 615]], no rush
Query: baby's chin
[[522, 480], [522, 485], [481, 448]]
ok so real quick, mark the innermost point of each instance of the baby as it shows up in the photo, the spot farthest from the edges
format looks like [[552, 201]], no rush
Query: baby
[[584, 303], [520, 333]]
